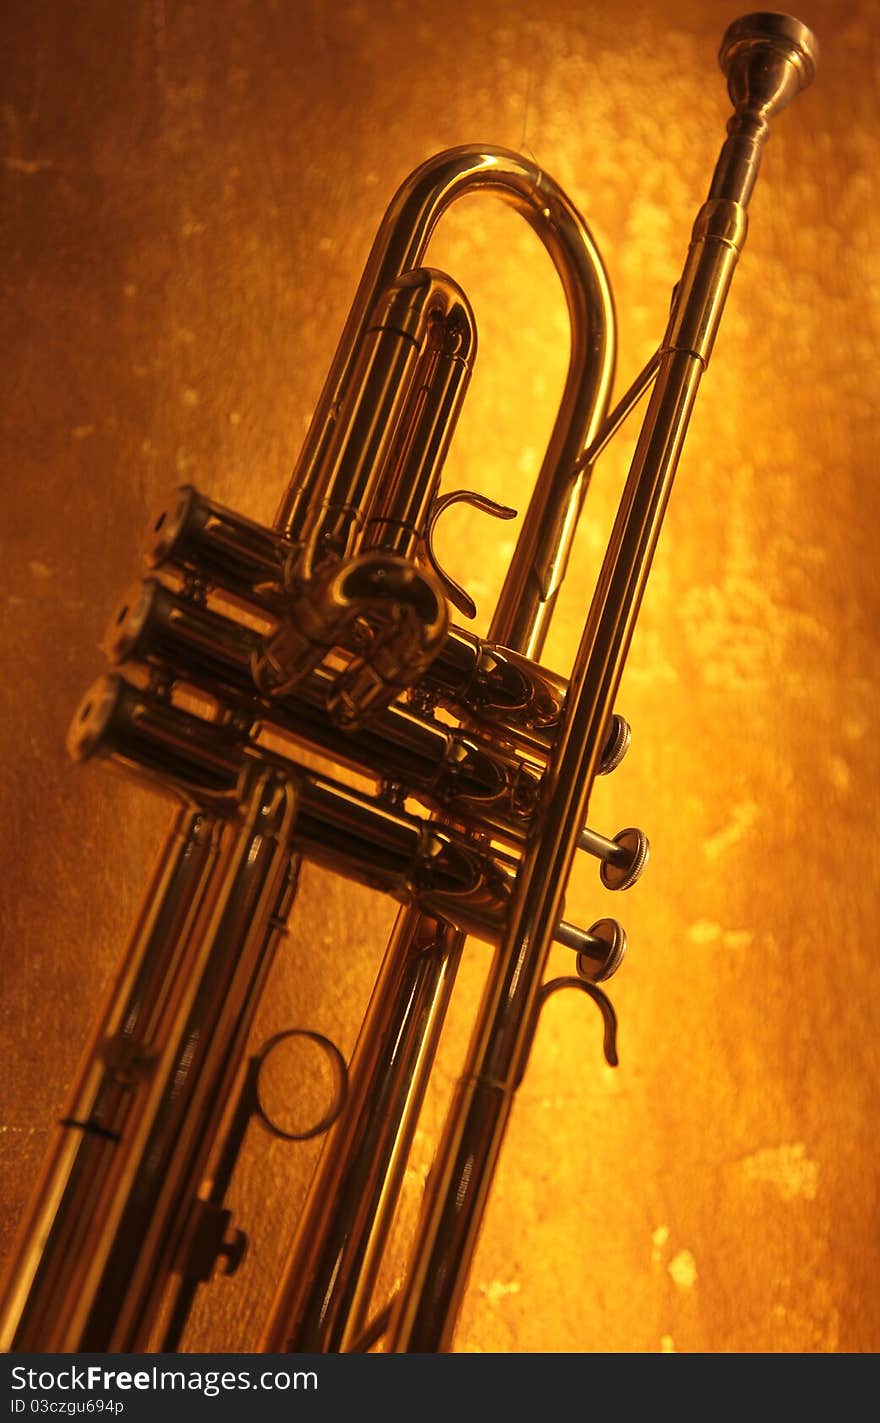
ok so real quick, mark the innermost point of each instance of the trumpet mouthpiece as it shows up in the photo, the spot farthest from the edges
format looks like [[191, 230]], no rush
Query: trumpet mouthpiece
[[767, 59]]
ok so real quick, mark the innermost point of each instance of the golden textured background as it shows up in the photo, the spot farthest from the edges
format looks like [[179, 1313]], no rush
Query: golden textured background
[[189, 194]]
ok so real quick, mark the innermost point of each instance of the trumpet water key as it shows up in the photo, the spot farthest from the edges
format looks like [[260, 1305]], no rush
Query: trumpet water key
[[330, 634]]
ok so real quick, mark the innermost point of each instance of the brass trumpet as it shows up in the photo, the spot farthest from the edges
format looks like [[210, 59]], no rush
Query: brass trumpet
[[330, 632]]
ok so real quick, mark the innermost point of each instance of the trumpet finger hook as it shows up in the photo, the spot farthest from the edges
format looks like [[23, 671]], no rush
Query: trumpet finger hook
[[603, 1003], [454, 592]]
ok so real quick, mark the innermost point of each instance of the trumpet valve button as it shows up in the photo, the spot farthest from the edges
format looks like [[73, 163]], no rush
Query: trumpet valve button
[[616, 745], [623, 858], [624, 869], [603, 953], [600, 949]]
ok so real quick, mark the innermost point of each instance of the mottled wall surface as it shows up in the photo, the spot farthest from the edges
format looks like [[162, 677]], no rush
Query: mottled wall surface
[[189, 194]]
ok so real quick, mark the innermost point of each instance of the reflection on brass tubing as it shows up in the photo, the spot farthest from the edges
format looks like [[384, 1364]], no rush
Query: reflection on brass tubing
[[429, 1300], [382, 379], [335, 825], [243, 942], [324, 1297], [473, 675], [200, 536], [400, 509], [199, 760], [400, 606], [109, 1094], [384, 454], [410, 859], [381, 846], [100, 1287], [118, 1238], [542, 550], [165, 628], [233, 948], [448, 767], [494, 791], [498, 687]]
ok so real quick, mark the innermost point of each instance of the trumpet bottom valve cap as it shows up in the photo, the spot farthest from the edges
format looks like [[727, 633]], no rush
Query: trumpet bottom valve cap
[[93, 716]]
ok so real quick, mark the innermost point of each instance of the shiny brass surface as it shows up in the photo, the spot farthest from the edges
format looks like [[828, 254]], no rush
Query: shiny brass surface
[[321, 486], [742, 1159], [468, 1153]]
